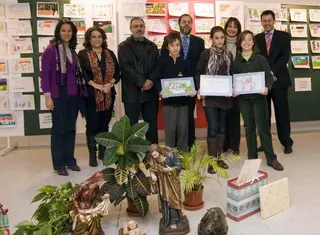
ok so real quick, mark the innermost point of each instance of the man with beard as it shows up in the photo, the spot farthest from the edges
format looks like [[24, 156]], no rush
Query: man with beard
[[138, 58], [192, 47]]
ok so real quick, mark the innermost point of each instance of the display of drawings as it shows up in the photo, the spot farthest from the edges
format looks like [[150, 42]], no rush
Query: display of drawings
[[300, 62], [18, 11], [226, 9], [21, 84], [249, 83], [174, 25], [105, 25], [299, 30], [157, 39], [299, 47], [46, 27], [204, 25], [19, 28], [3, 67], [315, 62], [80, 25], [155, 9], [23, 102], [177, 9], [48, 9], [43, 43], [156, 25], [314, 15], [4, 103], [3, 85], [315, 30], [74, 11], [315, 46], [174, 87], [102, 11], [22, 65], [2, 11], [299, 15], [3, 47], [204, 9], [21, 46], [7, 120], [133, 9], [3, 29]]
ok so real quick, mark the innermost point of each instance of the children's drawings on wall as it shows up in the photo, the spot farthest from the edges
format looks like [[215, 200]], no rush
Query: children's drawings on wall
[[300, 62], [101, 11], [19, 28], [23, 102], [4, 103], [299, 30], [177, 9], [46, 27], [22, 65], [18, 11], [315, 46], [204, 25], [21, 46], [74, 11], [315, 30], [204, 9], [48, 9], [299, 47], [314, 15], [299, 15]]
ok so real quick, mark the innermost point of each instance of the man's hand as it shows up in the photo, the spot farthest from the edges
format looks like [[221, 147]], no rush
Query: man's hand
[[147, 85], [275, 78], [265, 92]]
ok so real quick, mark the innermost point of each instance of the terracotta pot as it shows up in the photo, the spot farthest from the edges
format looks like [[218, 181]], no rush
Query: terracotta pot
[[193, 200], [132, 209]]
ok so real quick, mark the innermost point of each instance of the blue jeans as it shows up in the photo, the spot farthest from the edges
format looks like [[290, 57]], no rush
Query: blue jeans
[[64, 117], [217, 121]]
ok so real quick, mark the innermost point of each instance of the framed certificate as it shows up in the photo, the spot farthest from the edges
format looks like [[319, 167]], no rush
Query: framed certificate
[[212, 85], [174, 87], [249, 83]]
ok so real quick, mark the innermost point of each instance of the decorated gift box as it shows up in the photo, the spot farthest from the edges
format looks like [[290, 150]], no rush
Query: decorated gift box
[[243, 199]]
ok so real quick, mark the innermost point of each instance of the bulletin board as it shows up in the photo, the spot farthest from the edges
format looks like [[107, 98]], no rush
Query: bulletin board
[[304, 94], [37, 119]]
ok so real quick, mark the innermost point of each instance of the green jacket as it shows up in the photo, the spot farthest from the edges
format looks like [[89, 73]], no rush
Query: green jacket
[[256, 63]]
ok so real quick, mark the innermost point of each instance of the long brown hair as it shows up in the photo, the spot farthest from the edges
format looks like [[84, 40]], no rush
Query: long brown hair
[[236, 22], [241, 37]]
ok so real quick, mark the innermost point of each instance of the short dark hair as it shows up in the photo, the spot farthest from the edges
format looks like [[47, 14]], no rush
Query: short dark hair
[[87, 37], [268, 12], [216, 29], [136, 18], [236, 22], [183, 15], [170, 38], [241, 37], [73, 42]]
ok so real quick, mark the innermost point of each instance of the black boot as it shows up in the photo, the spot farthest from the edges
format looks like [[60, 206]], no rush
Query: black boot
[[101, 152], [212, 151], [91, 143], [220, 143]]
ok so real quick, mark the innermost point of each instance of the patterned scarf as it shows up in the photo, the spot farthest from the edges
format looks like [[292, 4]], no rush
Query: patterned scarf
[[103, 100], [61, 69], [218, 56]]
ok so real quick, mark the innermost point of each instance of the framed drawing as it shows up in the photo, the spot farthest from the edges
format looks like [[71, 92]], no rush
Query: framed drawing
[[211, 85], [249, 83], [174, 87]]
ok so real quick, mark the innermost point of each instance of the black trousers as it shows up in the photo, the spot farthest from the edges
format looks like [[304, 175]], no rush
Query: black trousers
[[149, 111], [191, 122], [64, 117], [233, 133], [282, 114], [97, 122], [255, 115]]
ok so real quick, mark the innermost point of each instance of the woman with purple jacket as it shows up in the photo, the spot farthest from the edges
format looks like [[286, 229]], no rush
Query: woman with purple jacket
[[63, 84]]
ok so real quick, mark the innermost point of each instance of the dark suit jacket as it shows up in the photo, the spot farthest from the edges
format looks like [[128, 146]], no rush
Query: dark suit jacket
[[196, 47], [278, 57]]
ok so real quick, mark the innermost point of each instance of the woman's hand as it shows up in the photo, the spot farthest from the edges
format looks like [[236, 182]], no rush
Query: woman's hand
[[106, 88], [49, 103], [167, 169], [161, 97], [154, 177], [265, 92]]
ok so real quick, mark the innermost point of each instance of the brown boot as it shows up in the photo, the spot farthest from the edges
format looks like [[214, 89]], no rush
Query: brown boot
[[212, 151], [220, 143], [275, 164]]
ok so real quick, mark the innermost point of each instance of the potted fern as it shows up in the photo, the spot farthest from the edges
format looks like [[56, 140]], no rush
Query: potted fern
[[195, 166], [126, 149]]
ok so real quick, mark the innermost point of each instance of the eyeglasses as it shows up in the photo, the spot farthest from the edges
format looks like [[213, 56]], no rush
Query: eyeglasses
[[135, 26]]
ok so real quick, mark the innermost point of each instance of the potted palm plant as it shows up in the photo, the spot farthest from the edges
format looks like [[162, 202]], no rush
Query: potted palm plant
[[124, 158], [195, 166]]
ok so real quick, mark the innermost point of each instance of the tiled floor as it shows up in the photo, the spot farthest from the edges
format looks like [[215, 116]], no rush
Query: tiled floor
[[23, 171]]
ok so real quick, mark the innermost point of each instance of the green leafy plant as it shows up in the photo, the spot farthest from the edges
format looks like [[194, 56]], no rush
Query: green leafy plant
[[195, 166], [52, 216], [126, 148]]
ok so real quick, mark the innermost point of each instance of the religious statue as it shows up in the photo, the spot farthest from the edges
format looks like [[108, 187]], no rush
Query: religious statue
[[89, 206], [213, 223], [131, 228], [165, 168]]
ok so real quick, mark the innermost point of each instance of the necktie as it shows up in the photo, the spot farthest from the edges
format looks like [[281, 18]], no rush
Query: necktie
[[268, 42], [185, 45]]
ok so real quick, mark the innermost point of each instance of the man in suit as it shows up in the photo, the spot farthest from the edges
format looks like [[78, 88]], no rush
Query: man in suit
[[275, 46], [138, 58], [192, 47]]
